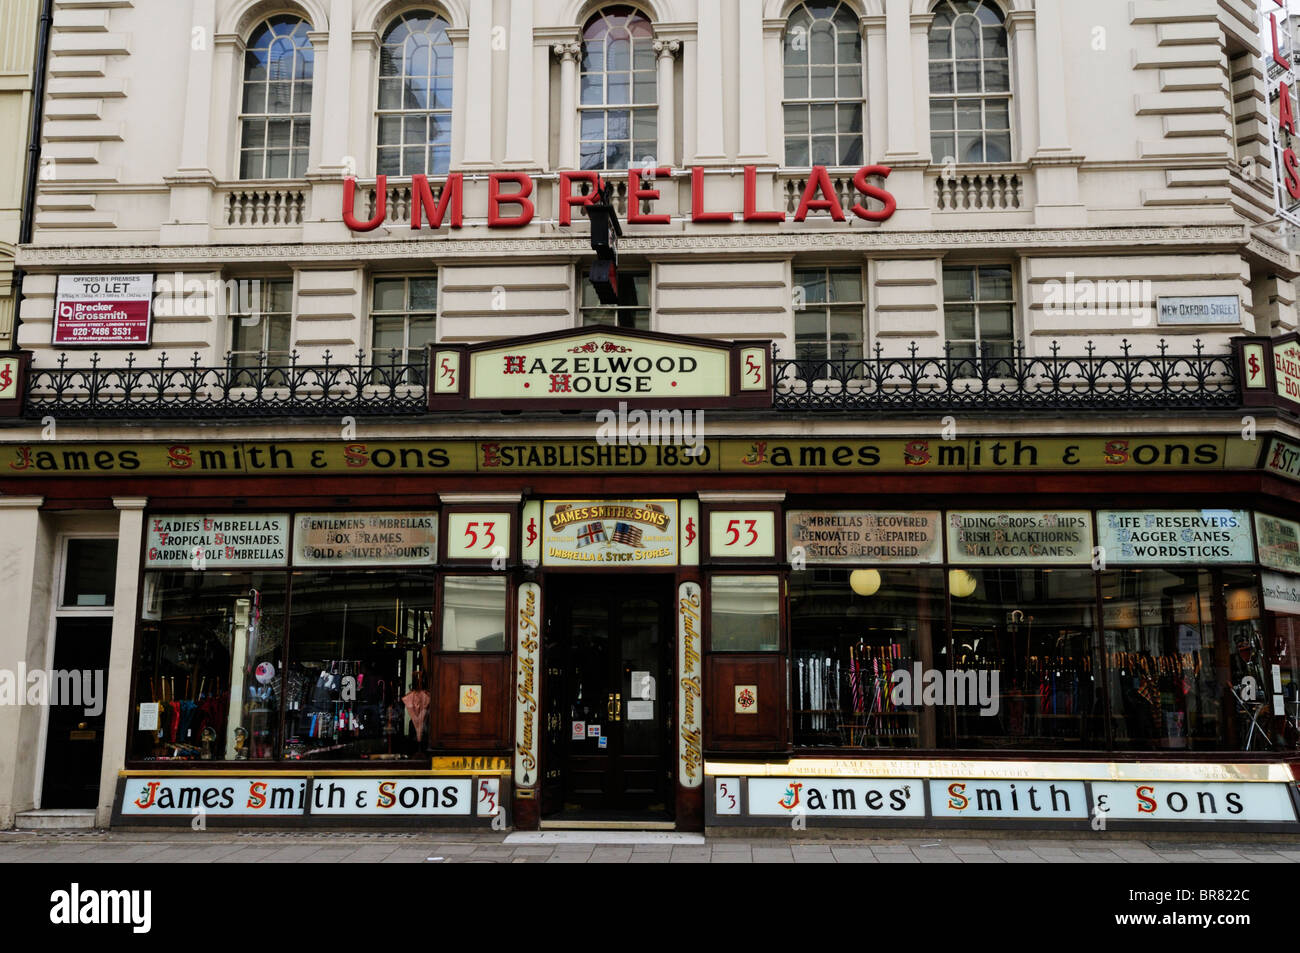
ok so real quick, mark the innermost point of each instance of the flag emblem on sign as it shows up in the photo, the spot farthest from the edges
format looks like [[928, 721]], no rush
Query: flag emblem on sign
[[591, 533], [628, 535]]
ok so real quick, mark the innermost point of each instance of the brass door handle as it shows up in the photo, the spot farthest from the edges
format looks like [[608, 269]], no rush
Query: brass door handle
[[618, 706]]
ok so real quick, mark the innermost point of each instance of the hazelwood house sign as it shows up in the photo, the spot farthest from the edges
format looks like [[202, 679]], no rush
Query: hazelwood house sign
[[595, 367]]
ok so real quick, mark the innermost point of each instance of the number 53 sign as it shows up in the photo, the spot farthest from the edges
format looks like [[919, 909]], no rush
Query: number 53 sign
[[746, 534], [478, 535]]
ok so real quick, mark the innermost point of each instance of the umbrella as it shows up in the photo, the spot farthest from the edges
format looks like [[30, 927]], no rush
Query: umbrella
[[417, 706]]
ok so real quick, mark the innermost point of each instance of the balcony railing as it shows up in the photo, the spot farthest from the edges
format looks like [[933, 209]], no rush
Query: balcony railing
[[1093, 381], [386, 385]]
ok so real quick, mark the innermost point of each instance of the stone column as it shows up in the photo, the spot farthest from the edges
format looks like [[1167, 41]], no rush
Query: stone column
[[1054, 164], [193, 183], [901, 128], [568, 54], [710, 141], [665, 51], [877, 82], [519, 86], [336, 116], [752, 83], [478, 87], [117, 714], [24, 639]]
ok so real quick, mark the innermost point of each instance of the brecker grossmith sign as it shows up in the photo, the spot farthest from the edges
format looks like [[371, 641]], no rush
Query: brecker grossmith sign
[[599, 367]]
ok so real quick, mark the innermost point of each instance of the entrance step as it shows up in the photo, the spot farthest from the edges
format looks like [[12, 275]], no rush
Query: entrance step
[[556, 838], [55, 819]]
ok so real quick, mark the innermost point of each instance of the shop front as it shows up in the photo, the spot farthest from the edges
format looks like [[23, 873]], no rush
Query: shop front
[[560, 657], [554, 625]]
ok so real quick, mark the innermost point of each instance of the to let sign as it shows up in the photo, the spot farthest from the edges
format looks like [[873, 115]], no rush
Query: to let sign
[[103, 309]]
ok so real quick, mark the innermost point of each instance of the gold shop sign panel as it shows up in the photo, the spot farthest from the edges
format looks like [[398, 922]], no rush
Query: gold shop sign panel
[[690, 533], [528, 644], [365, 539], [743, 534], [1283, 459], [1279, 542], [609, 532], [530, 533], [856, 536], [690, 694], [424, 457], [1061, 539]]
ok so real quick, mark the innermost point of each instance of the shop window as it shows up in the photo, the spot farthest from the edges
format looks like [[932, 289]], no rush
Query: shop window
[[850, 631], [745, 613], [89, 572], [403, 315], [356, 650], [970, 83], [275, 115], [259, 328], [828, 310], [474, 614], [1173, 685], [209, 672], [823, 99], [1025, 640], [632, 310], [618, 94], [979, 315], [415, 84]]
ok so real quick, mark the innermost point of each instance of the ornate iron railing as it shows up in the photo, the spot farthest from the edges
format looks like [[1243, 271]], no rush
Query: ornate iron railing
[[1011, 381], [244, 386], [388, 385]]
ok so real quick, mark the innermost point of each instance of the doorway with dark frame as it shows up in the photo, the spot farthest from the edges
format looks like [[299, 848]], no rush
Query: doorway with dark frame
[[609, 708]]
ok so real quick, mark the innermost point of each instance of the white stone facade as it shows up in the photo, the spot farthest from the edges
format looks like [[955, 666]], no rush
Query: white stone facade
[[1139, 151]]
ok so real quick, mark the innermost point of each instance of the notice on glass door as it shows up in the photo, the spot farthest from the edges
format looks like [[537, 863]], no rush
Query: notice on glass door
[[640, 711]]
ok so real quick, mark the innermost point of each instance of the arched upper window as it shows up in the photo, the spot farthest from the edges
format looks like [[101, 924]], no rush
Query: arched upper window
[[275, 114], [618, 105], [970, 83], [823, 86], [415, 70]]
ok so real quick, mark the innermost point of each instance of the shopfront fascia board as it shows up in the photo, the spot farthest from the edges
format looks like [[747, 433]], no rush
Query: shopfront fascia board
[[506, 457]]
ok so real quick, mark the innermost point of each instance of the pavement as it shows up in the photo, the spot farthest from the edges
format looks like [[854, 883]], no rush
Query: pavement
[[233, 846]]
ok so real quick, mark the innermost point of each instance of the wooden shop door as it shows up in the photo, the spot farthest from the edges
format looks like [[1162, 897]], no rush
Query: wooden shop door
[[609, 710]]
